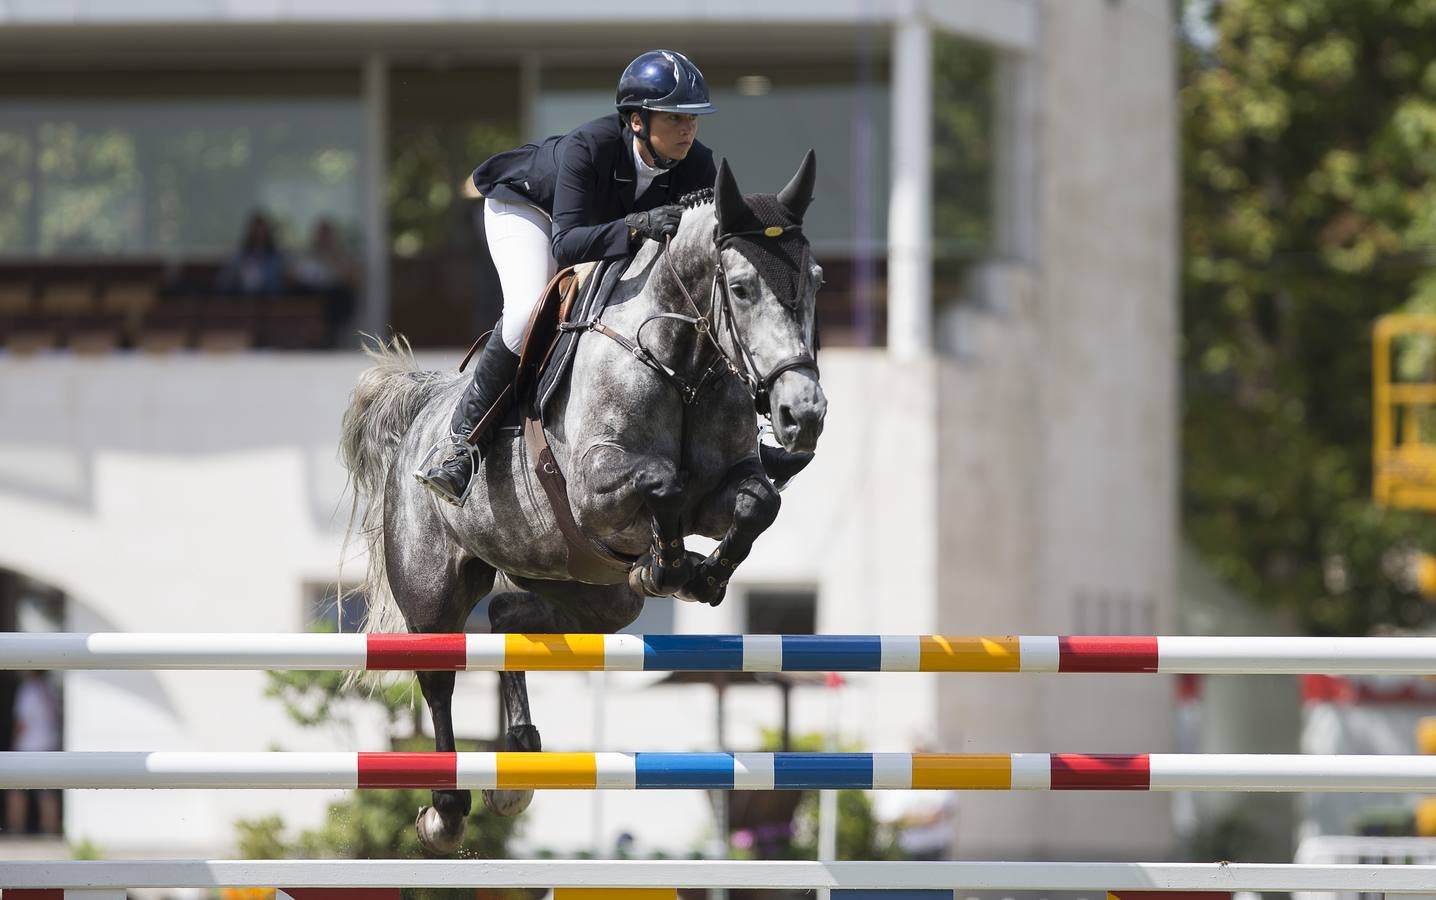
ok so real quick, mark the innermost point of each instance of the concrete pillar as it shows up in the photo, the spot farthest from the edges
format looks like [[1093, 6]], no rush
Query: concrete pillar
[[910, 326], [373, 316]]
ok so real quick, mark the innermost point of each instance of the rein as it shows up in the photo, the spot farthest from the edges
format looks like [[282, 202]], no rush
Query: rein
[[719, 315]]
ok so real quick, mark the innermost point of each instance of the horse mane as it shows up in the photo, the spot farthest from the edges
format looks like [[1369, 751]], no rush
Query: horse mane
[[696, 198]]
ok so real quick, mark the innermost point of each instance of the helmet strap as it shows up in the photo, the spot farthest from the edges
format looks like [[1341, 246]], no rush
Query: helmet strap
[[659, 161]]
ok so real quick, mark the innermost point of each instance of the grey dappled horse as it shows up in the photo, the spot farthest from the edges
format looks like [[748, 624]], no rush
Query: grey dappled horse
[[650, 457]]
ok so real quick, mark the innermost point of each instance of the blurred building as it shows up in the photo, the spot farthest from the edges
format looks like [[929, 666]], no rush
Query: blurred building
[[996, 214]]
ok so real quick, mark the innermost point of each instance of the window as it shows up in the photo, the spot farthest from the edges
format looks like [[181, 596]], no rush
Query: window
[[1099, 612], [327, 610], [174, 177], [781, 612], [796, 108]]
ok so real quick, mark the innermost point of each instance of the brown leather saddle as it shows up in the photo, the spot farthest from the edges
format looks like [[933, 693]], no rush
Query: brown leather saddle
[[588, 560]]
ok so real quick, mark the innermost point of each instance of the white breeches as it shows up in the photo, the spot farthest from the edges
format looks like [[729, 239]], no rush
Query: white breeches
[[518, 236]]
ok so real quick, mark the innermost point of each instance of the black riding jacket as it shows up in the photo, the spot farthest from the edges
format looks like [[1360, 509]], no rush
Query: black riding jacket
[[585, 181]]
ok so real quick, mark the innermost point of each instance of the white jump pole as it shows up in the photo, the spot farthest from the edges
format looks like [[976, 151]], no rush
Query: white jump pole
[[498, 873]]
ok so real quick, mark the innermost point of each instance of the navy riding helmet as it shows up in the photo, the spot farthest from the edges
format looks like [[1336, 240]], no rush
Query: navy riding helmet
[[662, 81]]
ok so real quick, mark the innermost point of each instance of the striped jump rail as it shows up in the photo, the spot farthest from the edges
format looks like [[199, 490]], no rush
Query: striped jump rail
[[631, 893], [1097, 877], [567, 893], [722, 653], [719, 771], [571, 893]]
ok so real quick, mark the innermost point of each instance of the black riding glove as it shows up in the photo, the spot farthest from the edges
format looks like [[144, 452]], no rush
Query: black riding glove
[[656, 224]]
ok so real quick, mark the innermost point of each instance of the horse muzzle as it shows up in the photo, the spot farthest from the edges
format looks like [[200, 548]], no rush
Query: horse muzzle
[[799, 408]]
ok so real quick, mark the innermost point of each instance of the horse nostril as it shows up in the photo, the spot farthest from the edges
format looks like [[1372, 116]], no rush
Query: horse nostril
[[786, 420]]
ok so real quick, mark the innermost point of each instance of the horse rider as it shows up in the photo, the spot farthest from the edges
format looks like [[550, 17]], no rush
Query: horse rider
[[595, 193]]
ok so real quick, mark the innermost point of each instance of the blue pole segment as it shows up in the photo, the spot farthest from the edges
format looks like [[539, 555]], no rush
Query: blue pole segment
[[693, 652], [832, 653], [683, 770], [816, 771]]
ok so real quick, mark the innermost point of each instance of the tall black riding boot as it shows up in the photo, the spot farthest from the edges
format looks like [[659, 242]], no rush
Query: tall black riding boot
[[494, 371]]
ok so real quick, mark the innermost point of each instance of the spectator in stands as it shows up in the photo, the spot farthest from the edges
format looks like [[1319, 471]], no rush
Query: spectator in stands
[[327, 268], [258, 266], [37, 728]]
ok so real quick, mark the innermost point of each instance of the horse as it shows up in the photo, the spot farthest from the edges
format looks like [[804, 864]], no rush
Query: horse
[[655, 430]]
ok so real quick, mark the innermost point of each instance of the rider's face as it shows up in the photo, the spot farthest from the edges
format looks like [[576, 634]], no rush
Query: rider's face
[[672, 134]]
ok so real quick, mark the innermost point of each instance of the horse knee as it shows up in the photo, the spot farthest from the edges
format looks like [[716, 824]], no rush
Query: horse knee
[[659, 482], [758, 502]]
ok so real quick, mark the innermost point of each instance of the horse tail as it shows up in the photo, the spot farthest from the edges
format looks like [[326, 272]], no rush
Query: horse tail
[[389, 396]]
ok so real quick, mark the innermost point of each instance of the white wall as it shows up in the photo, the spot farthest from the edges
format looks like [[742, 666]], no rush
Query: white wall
[[203, 494]]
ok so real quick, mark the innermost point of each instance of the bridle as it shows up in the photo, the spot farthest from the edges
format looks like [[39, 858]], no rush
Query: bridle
[[760, 387], [719, 317]]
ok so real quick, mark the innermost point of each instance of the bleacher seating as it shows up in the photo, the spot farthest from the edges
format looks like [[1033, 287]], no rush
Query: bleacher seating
[[101, 308]]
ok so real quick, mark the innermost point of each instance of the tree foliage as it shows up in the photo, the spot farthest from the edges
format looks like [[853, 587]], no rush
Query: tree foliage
[[1309, 209]]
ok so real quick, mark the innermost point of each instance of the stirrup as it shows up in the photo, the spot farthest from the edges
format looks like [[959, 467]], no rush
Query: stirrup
[[454, 445]]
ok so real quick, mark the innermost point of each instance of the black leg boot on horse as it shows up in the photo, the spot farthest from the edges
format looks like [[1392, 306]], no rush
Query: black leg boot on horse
[[781, 465], [493, 374]]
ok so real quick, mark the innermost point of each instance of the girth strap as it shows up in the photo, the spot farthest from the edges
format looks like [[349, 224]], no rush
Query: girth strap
[[588, 560]]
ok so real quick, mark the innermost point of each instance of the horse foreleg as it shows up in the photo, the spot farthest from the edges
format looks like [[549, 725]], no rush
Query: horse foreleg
[[441, 826], [665, 568], [755, 507]]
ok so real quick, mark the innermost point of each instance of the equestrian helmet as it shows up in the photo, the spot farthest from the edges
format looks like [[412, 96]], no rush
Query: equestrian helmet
[[663, 81]]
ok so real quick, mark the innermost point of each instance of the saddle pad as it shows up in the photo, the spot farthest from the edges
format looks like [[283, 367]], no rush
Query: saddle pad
[[592, 298], [583, 270]]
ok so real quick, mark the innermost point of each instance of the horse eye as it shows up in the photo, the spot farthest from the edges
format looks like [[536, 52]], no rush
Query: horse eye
[[740, 291]]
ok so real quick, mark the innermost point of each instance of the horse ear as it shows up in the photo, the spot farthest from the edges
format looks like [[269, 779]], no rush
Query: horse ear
[[799, 192], [727, 198]]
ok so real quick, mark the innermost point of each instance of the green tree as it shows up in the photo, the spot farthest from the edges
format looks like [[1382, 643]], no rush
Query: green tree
[[1309, 209], [962, 115]]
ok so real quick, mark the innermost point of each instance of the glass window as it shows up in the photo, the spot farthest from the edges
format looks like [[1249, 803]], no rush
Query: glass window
[[327, 609], [766, 120], [781, 612], [443, 122], [963, 109], [172, 177]]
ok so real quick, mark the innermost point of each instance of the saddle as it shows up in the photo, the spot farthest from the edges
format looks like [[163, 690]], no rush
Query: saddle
[[575, 294]]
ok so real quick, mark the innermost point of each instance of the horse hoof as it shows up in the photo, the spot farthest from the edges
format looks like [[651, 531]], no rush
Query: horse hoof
[[435, 835], [507, 803], [523, 739], [702, 588], [640, 579]]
